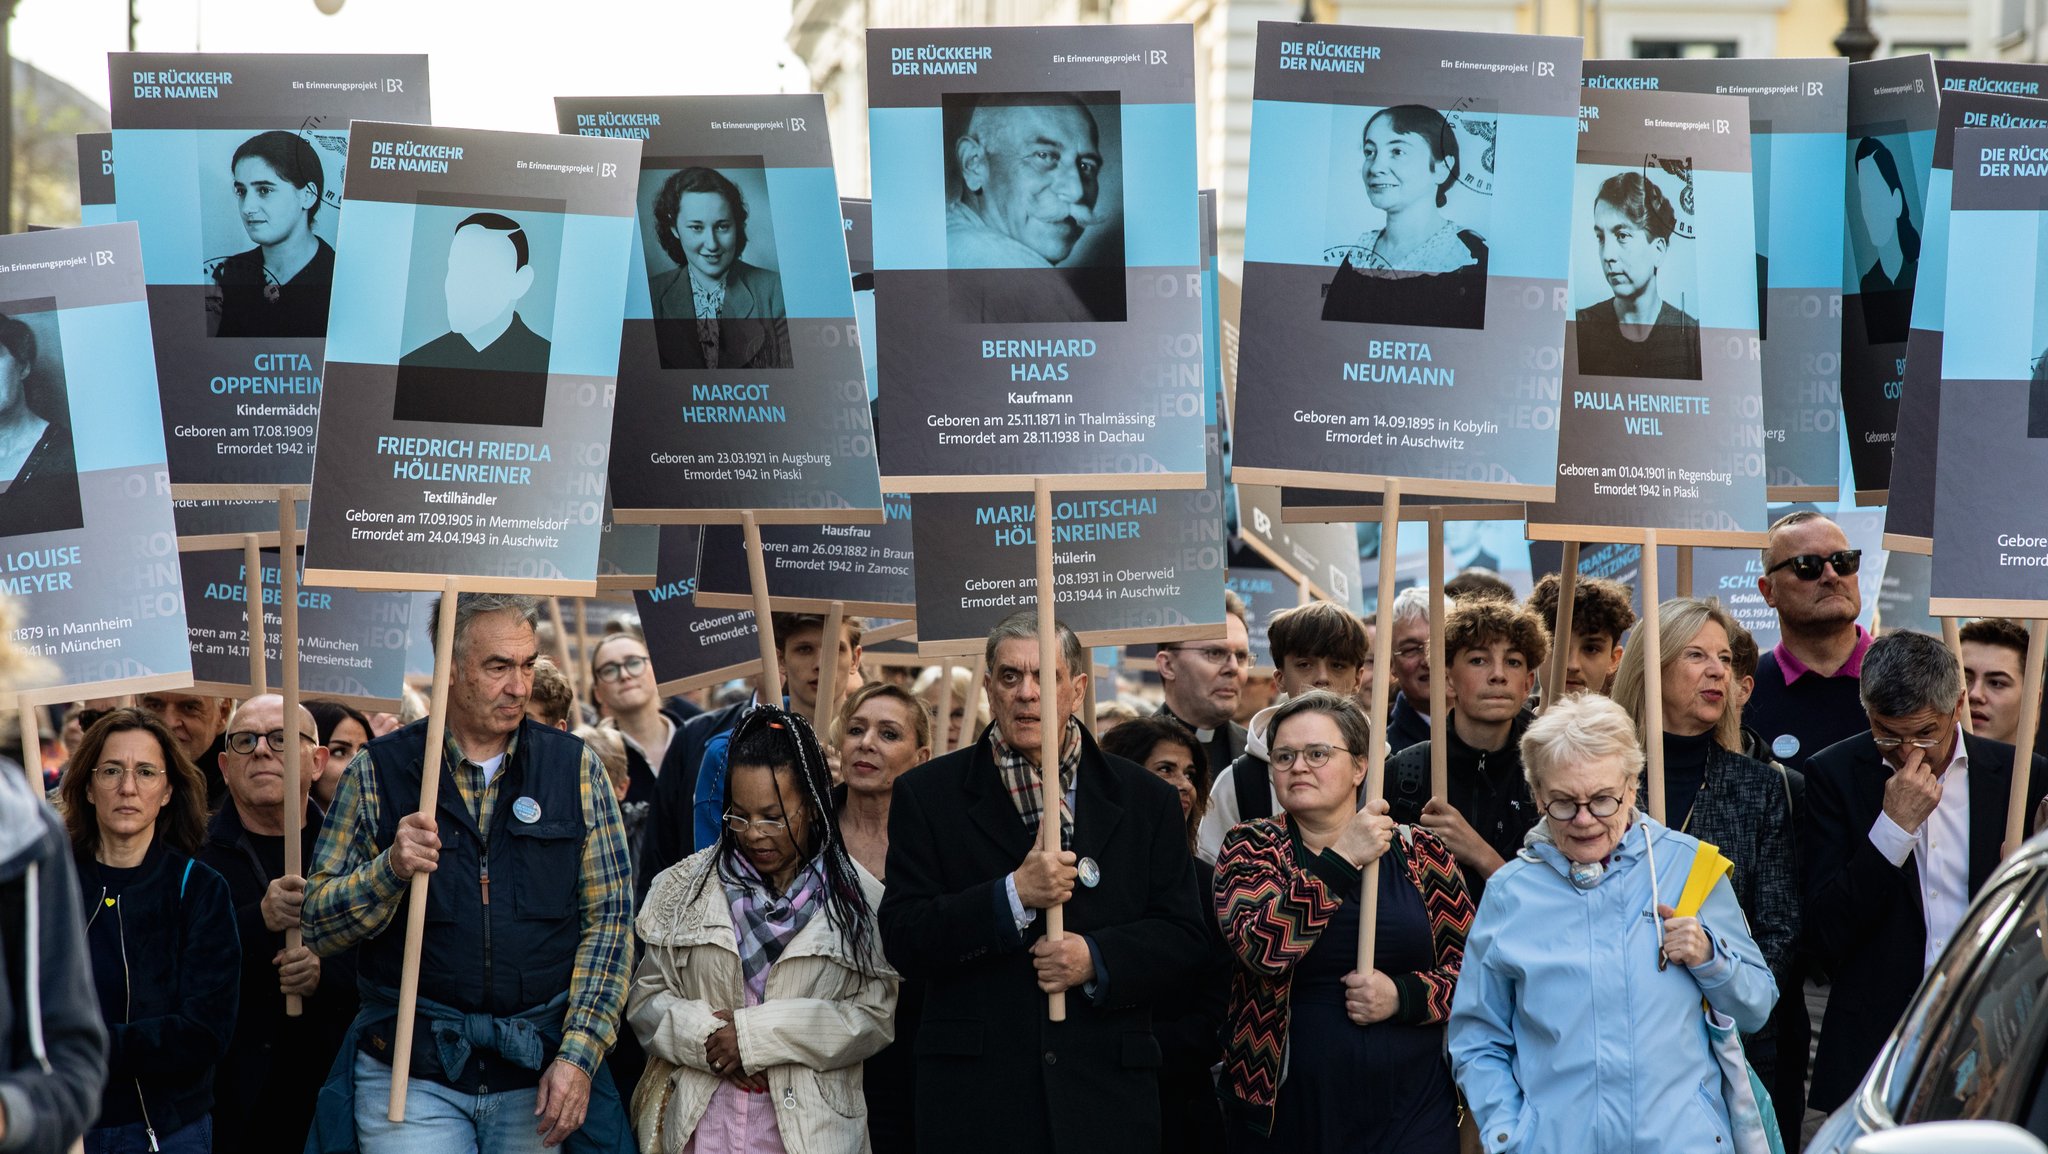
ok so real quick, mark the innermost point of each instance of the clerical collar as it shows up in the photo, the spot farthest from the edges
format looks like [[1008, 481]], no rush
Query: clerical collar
[[1205, 736]]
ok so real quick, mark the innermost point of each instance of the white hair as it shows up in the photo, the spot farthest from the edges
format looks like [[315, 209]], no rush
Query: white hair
[[1411, 604], [1577, 729]]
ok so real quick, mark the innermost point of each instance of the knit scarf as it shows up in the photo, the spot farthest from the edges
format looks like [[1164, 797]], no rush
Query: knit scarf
[[763, 921], [1022, 779]]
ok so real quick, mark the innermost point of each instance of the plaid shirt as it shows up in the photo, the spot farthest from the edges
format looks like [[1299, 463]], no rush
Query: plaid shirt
[[353, 894]]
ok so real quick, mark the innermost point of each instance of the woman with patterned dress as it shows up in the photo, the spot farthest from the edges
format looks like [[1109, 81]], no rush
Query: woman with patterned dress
[[1317, 1056]]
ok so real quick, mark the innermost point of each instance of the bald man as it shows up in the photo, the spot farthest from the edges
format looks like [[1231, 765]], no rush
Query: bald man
[[268, 1080], [1029, 177]]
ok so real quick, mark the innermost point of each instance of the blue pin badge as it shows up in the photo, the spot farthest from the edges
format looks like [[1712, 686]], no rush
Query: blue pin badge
[[527, 810]]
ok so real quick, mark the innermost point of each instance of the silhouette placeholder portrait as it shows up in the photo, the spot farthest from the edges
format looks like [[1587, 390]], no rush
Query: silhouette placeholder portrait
[[489, 368]]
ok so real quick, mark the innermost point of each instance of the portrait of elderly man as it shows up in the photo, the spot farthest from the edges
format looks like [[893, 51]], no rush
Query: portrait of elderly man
[[1032, 208]]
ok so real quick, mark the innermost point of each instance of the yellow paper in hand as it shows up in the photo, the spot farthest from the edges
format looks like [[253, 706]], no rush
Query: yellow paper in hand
[[1708, 867]]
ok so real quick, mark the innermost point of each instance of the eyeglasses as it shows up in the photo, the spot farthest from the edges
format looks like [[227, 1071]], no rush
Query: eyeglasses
[[243, 741], [1887, 744], [614, 670], [768, 825], [1604, 805], [146, 776], [1217, 654], [1411, 652], [1807, 566], [1314, 756]]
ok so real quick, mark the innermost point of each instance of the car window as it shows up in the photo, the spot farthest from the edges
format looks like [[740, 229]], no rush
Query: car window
[[1981, 1050]]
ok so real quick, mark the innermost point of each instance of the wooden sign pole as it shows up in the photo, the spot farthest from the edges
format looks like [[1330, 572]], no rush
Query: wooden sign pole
[[975, 692], [1088, 698], [430, 797], [944, 726], [1684, 582], [1952, 636], [1050, 734], [1376, 758], [581, 674], [1653, 676], [2023, 741], [828, 670], [288, 673], [562, 662], [764, 617], [1439, 668], [32, 746], [252, 604], [1561, 633]]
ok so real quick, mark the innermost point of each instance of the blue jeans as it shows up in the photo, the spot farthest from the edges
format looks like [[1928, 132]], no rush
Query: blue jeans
[[193, 1138], [440, 1120]]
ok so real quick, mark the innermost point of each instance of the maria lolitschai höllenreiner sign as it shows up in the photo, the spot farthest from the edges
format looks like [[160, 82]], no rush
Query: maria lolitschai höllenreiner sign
[[1405, 260], [468, 417], [233, 166], [1037, 256]]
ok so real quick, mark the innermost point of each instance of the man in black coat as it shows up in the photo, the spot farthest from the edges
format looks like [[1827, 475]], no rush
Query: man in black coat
[[964, 914], [1903, 824], [266, 1084]]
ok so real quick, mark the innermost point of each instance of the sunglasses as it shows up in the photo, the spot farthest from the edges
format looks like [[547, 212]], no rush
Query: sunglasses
[[1807, 566]]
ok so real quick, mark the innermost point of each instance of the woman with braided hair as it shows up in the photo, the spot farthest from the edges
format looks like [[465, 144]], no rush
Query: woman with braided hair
[[762, 987]]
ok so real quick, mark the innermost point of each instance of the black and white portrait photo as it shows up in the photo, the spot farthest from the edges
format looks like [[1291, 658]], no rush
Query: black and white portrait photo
[[1643, 327], [487, 364], [38, 467], [717, 293], [1889, 250], [1414, 263], [279, 286], [1034, 207]]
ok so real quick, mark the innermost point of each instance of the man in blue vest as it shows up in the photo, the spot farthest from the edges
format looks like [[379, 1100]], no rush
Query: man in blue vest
[[526, 951]]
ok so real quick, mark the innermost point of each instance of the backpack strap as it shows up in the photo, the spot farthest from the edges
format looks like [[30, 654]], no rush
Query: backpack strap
[[1253, 780]]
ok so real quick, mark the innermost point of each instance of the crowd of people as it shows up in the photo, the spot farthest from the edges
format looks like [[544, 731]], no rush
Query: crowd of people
[[773, 923]]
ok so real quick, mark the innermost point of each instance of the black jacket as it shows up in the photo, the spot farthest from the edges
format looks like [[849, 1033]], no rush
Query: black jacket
[[1863, 920], [666, 836], [994, 1075], [52, 1092], [271, 1075], [1486, 787], [184, 978], [1405, 725]]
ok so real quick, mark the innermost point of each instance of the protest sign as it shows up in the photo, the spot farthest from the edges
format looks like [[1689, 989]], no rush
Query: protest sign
[[761, 405], [233, 165], [1990, 526], [1014, 349], [1797, 113], [351, 643], [692, 646], [1893, 109], [96, 178], [1973, 95], [1662, 424], [85, 516], [1406, 323], [475, 337]]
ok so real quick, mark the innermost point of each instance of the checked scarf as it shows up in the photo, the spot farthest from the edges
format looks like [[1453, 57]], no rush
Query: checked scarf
[[765, 922], [1022, 780]]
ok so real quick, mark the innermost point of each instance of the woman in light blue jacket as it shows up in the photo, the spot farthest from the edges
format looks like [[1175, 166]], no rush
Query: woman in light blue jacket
[[1577, 1025]]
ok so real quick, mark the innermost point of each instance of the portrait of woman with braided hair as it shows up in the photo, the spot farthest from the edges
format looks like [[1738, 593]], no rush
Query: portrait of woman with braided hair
[[762, 987]]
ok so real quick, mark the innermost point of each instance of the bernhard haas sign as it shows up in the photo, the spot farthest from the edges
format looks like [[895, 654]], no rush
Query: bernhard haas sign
[[1662, 425], [234, 168], [1036, 256], [470, 366]]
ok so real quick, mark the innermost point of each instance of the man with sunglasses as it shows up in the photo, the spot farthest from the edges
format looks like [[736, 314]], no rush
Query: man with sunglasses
[[1203, 680], [1805, 698], [1903, 824], [266, 1084]]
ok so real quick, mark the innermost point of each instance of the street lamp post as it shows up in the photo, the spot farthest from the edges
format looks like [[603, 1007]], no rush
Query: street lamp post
[[1857, 41]]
